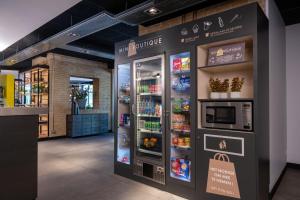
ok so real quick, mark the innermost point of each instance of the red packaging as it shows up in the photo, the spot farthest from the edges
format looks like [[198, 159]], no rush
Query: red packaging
[[177, 64], [175, 163], [174, 140]]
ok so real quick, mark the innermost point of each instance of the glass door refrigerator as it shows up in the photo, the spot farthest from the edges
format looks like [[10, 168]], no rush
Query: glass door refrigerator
[[123, 109], [148, 109], [180, 131]]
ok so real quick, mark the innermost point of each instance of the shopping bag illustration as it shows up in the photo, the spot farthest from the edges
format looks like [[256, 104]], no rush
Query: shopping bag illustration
[[222, 179]]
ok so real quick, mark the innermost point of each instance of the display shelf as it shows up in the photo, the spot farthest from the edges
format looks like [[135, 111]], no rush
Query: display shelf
[[180, 85], [149, 131], [179, 130], [151, 116], [149, 94], [181, 72], [226, 99], [180, 178], [148, 78], [181, 147], [243, 69], [150, 152], [123, 110], [247, 65]]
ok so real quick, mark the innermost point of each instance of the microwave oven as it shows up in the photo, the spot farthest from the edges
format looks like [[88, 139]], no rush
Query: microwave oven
[[233, 115]]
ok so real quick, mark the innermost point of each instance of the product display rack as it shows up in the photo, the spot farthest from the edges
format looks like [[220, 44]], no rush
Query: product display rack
[[180, 119], [191, 149], [148, 108], [19, 92], [123, 96], [36, 94]]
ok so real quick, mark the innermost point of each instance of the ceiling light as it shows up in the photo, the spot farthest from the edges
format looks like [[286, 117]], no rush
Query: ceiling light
[[12, 61], [73, 35], [152, 11]]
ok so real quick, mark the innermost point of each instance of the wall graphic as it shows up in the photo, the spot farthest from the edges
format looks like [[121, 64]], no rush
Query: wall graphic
[[222, 178]]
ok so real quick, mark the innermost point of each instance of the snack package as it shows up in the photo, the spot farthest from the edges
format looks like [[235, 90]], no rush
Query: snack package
[[185, 168], [185, 66], [185, 105], [177, 105], [181, 142], [185, 81], [177, 65], [175, 166], [178, 118], [175, 141]]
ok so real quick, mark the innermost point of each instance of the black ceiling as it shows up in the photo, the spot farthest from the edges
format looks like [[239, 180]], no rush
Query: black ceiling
[[290, 11]]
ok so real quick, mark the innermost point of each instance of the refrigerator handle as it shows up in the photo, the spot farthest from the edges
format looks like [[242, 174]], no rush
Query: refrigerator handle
[[132, 109]]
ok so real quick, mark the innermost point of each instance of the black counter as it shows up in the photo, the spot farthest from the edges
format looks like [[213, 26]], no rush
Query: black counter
[[18, 157]]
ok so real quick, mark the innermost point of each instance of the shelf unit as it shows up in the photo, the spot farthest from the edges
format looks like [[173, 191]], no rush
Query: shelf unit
[[36, 94], [19, 92], [123, 114], [180, 129], [243, 69]]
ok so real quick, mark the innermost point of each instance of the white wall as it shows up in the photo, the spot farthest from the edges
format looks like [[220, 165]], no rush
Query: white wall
[[293, 92], [277, 88]]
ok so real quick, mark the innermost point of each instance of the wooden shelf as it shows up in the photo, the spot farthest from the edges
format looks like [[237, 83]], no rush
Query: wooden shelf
[[248, 65], [227, 99]]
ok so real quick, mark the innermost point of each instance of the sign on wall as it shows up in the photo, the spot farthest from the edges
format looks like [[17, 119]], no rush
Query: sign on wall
[[227, 54], [222, 178]]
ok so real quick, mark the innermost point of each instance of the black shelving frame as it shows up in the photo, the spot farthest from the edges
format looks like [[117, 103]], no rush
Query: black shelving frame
[[186, 38]]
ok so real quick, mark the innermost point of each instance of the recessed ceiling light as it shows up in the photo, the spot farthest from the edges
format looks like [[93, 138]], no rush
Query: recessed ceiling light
[[152, 11], [13, 61], [73, 35]]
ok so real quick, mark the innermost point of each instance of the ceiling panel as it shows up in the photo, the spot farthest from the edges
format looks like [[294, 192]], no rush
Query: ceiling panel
[[290, 11], [18, 18]]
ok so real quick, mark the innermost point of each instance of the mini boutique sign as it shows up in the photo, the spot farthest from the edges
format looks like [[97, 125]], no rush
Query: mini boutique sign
[[134, 46], [227, 54]]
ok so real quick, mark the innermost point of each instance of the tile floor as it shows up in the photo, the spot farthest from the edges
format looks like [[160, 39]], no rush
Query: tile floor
[[82, 169]]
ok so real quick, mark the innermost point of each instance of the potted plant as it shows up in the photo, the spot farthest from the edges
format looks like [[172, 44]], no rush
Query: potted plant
[[224, 89], [236, 87], [80, 97], [214, 85]]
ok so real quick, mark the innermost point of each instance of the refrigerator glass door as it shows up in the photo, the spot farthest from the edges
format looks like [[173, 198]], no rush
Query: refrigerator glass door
[[180, 130], [149, 79], [123, 151]]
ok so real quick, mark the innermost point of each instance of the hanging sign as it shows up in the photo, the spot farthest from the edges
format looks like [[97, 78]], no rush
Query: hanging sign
[[131, 48], [222, 178]]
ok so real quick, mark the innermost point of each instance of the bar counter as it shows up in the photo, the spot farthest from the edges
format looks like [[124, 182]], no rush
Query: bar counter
[[18, 153], [22, 111]]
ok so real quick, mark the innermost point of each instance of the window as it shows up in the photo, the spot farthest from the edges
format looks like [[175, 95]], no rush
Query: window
[[84, 94]]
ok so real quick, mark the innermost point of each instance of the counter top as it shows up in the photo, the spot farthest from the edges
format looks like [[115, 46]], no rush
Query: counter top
[[22, 111]]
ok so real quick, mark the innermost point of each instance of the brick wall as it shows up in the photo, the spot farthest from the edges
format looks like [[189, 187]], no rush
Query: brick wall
[[198, 14], [61, 68]]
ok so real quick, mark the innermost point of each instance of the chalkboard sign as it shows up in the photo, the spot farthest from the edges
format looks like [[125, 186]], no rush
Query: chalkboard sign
[[226, 54]]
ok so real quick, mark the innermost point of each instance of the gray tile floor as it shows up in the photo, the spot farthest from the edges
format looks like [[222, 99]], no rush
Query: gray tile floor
[[82, 169], [289, 188]]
